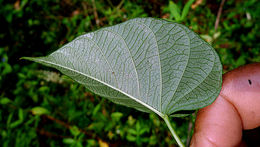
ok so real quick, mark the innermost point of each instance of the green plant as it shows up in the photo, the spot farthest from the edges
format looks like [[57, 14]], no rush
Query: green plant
[[145, 63], [135, 134], [175, 10]]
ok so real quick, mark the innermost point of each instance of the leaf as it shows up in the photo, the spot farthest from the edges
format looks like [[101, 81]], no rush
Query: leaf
[[39, 111], [74, 130], [116, 116], [102, 143], [69, 141], [175, 11], [186, 9], [5, 100], [145, 63], [19, 121]]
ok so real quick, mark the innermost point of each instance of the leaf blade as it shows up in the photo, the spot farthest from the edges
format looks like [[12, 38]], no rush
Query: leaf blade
[[146, 63], [51, 64]]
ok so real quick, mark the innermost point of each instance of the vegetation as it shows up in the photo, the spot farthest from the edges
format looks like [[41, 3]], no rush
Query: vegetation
[[39, 106]]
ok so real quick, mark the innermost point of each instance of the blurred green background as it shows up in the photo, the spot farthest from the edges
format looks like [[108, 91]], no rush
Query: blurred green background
[[41, 107]]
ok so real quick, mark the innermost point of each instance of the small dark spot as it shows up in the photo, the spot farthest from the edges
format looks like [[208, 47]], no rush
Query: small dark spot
[[249, 81], [113, 73]]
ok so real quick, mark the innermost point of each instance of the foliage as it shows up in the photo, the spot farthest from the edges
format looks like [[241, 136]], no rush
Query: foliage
[[39, 107], [175, 11]]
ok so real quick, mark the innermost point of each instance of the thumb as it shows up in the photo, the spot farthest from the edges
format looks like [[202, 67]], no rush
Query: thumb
[[236, 108], [217, 125]]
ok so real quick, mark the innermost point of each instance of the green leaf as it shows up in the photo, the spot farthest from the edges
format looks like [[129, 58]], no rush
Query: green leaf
[[15, 123], [186, 9], [19, 121], [132, 131], [116, 116], [69, 141], [20, 114], [96, 109], [39, 111], [131, 137], [145, 63], [75, 130], [5, 100], [175, 11]]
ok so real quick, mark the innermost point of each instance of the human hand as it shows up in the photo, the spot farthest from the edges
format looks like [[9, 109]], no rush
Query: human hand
[[236, 108]]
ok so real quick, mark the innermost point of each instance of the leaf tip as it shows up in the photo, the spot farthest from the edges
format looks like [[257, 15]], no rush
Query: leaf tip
[[28, 58], [24, 58]]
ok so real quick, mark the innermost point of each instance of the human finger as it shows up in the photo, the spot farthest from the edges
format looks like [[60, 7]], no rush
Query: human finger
[[236, 108]]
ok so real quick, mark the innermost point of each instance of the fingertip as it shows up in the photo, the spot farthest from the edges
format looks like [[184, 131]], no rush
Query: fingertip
[[217, 125]]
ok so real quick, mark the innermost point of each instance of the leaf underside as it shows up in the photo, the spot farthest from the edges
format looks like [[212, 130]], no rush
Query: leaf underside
[[145, 63]]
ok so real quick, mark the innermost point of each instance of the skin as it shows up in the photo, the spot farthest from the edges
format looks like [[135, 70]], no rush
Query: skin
[[236, 108]]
